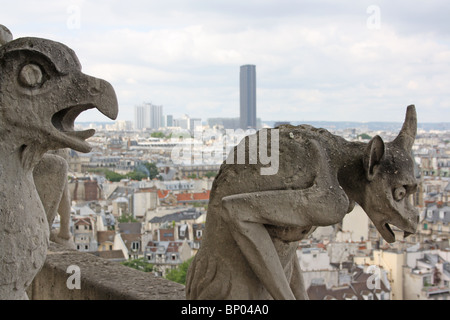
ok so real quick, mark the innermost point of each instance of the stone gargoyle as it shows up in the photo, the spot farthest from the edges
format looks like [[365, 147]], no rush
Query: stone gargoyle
[[255, 221], [42, 91], [50, 178]]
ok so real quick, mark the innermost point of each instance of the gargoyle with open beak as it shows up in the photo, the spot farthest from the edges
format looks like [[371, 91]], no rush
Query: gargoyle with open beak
[[42, 91]]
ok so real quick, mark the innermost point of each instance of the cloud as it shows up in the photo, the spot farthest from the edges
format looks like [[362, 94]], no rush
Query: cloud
[[315, 60]]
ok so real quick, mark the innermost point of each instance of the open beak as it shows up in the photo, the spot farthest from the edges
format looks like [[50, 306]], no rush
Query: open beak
[[98, 94], [407, 224]]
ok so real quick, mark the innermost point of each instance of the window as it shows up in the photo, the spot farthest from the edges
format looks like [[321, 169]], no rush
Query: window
[[183, 230], [160, 258], [426, 281], [135, 245]]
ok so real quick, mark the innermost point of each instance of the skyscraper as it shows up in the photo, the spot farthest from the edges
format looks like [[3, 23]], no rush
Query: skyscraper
[[148, 116], [247, 84], [141, 117], [156, 116], [169, 120]]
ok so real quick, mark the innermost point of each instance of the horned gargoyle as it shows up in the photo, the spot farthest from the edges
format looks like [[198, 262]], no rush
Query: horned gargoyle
[[42, 91], [255, 221]]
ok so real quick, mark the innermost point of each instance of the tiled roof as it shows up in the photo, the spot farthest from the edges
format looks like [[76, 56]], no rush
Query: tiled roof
[[163, 246], [173, 246], [356, 289], [82, 221], [127, 237], [320, 292], [103, 236], [190, 214], [130, 227], [163, 193], [185, 197], [196, 196], [121, 192], [202, 195]]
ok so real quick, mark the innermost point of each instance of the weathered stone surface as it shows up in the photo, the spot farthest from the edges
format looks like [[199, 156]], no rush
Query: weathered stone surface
[[72, 275], [5, 35], [42, 91], [255, 221], [50, 179]]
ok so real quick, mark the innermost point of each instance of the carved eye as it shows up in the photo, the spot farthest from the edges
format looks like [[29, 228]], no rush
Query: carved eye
[[399, 193], [31, 75]]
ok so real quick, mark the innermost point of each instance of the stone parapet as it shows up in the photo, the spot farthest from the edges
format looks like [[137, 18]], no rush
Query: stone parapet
[[66, 270]]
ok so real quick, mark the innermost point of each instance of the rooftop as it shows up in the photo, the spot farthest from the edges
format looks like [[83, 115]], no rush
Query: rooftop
[[189, 214]]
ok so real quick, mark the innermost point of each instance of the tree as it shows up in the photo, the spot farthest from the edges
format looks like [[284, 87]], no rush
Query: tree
[[179, 274], [142, 172], [210, 174], [126, 218], [136, 175], [364, 136], [113, 176], [157, 135], [139, 264], [109, 175], [152, 169]]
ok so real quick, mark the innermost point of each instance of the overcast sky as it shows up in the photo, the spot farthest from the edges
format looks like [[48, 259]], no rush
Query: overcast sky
[[315, 60]]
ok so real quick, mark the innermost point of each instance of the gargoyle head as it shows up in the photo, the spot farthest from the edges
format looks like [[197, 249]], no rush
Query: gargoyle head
[[42, 91], [391, 180]]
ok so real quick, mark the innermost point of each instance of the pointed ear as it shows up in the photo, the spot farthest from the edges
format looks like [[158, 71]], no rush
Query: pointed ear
[[405, 138], [372, 157], [5, 35]]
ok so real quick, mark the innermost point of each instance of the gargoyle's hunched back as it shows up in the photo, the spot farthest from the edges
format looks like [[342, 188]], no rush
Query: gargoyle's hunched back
[[255, 221]]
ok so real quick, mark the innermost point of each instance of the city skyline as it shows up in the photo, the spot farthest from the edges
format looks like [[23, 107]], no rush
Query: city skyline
[[316, 61]]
